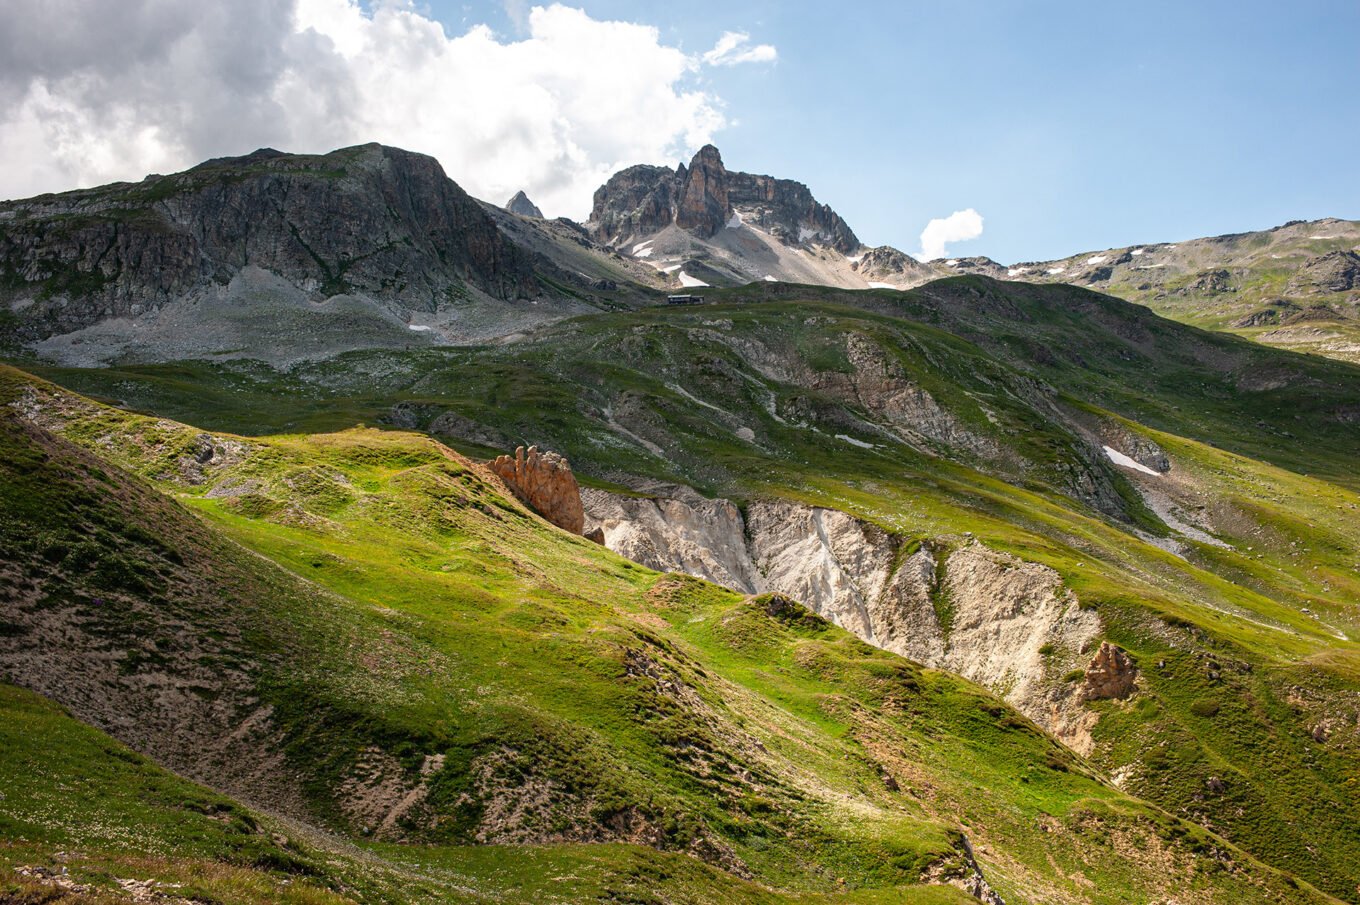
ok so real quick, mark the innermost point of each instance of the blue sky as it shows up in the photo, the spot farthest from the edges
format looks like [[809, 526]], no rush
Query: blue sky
[[1067, 125]]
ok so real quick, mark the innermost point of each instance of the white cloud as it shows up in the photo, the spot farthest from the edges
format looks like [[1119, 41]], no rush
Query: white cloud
[[735, 47], [957, 227], [114, 91]]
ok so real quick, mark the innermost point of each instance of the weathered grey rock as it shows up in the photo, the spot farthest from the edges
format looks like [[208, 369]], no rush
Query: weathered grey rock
[[702, 197], [678, 532], [1337, 271], [520, 204], [1210, 282], [1007, 624]]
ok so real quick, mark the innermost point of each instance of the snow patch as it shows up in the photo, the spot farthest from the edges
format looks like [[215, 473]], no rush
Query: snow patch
[[690, 282], [951, 263], [1054, 271], [1016, 271], [1119, 458], [641, 245], [646, 252], [1097, 259], [419, 328], [853, 442], [856, 259], [1137, 251], [735, 221], [873, 285], [804, 234], [770, 279]]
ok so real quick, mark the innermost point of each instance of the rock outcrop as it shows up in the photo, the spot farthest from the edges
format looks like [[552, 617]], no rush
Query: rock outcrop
[[1209, 282], [702, 199], [1003, 622], [702, 206], [1337, 271], [679, 532], [543, 481], [520, 204], [886, 264], [1111, 674]]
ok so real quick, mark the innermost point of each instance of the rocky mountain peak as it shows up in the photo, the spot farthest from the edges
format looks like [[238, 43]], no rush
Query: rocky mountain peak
[[701, 198], [703, 206], [369, 220], [520, 204]]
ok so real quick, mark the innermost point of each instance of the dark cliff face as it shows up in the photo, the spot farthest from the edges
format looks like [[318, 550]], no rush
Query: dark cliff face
[[368, 219], [703, 207], [701, 199], [637, 200], [787, 209]]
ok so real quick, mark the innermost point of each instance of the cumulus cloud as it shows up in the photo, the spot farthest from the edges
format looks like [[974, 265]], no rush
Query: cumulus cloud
[[735, 47], [957, 227], [92, 91]]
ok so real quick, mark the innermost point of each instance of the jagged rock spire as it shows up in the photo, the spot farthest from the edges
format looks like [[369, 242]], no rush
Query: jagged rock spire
[[520, 204]]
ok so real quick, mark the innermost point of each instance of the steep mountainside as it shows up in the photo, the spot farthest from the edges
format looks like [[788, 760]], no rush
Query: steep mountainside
[[384, 645], [287, 255], [988, 477]]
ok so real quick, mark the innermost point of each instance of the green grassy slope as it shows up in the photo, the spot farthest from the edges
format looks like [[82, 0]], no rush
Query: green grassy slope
[[509, 683], [1259, 623], [86, 820]]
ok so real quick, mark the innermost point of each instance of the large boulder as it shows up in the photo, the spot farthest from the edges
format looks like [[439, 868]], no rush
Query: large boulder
[[1337, 271]]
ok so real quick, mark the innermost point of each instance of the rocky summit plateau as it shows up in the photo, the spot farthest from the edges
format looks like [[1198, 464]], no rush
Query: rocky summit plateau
[[365, 542]]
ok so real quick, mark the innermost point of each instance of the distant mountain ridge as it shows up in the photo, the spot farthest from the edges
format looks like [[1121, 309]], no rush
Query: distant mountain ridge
[[1295, 285], [373, 246]]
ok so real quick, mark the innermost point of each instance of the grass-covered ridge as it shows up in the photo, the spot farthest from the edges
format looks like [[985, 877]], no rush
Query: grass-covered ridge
[[417, 638]]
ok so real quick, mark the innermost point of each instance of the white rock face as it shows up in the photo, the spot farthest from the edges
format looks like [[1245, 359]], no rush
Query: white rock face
[[831, 562], [683, 533], [1004, 611], [1008, 624]]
